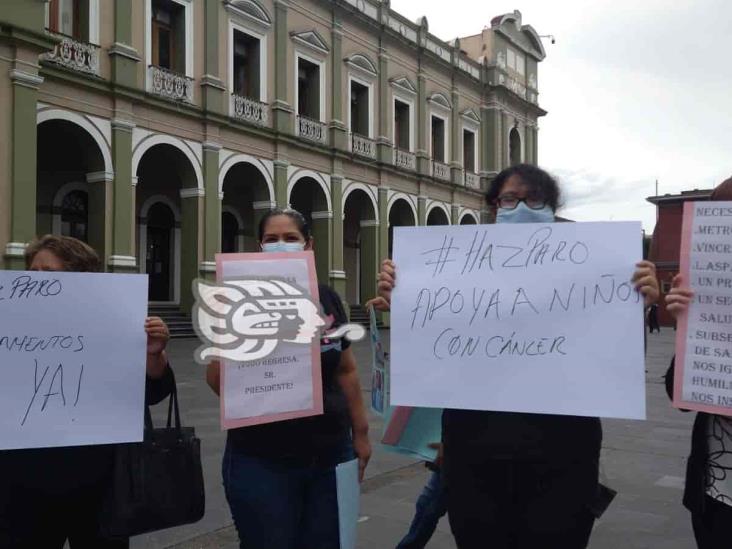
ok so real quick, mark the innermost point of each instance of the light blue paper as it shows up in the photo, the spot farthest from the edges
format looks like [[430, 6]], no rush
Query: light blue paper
[[349, 493], [423, 428]]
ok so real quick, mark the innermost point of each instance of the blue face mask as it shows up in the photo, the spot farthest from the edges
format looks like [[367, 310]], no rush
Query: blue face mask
[[523, 214], [282, 246]]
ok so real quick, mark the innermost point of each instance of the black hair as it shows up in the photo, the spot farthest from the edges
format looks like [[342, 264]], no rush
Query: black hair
[[299, 219], [538, 181]]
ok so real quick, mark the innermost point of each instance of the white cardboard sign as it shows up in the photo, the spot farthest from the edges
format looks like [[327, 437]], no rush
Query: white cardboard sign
[[522, 317], [72, 358]]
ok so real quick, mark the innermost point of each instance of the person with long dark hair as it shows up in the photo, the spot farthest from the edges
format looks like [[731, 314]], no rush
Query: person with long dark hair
[[279, 477], [519, 480]]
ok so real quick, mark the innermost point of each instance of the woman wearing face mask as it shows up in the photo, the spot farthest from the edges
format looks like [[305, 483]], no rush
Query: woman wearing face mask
[[521, 481], [280, 477], [51, 495]]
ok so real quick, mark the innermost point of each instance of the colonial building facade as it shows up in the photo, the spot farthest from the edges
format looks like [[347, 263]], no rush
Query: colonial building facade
[[160, 131]]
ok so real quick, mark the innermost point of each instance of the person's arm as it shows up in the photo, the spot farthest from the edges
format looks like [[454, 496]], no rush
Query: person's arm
[[157, 340], [351, 386], [213, 376], [387, 281]]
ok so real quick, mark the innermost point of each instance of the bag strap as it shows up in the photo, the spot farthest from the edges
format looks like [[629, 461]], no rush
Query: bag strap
[[148, 419], [173, 404]]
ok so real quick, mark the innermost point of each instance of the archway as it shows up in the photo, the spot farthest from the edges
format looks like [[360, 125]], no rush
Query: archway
[[360, 247], [67, 158], [468, 219], [168, 252], [400, 215], [246, 199], [437, 216], [514, 147], [308, 198]]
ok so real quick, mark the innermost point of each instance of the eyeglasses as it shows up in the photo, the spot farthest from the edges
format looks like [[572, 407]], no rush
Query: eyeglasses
[[510, 202]]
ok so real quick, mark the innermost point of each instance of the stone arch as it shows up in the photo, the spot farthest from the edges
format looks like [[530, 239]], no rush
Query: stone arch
[[153, 140], [238, 158], [353, 186], [468, 214], [58, 200], [154, 199], [438, 206], [102, 141], [515, 153], [299, 174], [402, 196]]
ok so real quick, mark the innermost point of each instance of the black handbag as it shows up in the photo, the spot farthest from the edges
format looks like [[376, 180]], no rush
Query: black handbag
[[157, 483]]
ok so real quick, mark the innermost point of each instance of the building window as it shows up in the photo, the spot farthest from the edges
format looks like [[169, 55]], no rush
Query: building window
[[246, 65], [516, 61], [75, 215], [402, 125], [360, 109], [69, 17], [308, 89], [438, 138], [168, 35], [469, 151], [514, 147]]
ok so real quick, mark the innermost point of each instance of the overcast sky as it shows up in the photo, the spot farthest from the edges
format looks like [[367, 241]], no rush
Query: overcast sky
[[636, 90]]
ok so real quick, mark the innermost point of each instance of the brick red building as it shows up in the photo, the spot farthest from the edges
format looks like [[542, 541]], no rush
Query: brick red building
[[666, 240]]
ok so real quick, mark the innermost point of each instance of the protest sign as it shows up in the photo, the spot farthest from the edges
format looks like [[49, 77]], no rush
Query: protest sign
[[72, 358], [379, 388], [519, 317], [348, 494], [703, 377], [413, 431], [285, 384]]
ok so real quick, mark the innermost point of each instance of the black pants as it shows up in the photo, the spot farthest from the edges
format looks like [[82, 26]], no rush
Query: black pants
[[713, 526], [503, 504]]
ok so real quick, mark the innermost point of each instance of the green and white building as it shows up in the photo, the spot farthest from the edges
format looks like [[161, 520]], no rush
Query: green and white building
[[160, 131]]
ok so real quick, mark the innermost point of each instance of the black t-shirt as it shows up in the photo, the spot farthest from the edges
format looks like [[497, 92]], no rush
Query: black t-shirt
[[315, 437], [522, 437]]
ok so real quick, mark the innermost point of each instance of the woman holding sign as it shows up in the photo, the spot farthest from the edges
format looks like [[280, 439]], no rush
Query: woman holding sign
[[53, 495], [280, 477], [516, 480], [708, 492]]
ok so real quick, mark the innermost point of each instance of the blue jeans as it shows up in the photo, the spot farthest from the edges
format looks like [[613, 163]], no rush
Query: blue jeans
[[283, 505], [431, 507]]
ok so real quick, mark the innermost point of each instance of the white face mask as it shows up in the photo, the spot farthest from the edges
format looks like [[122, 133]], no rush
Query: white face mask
[[282, 246]]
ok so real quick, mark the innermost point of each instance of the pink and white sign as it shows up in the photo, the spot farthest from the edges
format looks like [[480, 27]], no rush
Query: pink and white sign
[[285, 383], [703, 378]]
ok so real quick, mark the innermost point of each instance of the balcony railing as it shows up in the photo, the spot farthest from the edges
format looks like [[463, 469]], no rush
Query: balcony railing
[[312, 130], [170, 85], [249, 110], [440, 171], [363, 146], [472, 180], [74, 55], [405, 160]]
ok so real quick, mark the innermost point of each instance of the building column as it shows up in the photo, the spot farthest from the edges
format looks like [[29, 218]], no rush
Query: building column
[[369, 257], [101, 212], [486, 217], [454, 214], [507, 124], [323, 236], [337, 273], [456, 161], [281, 109], [213, 92], [124, 58], [383, 239], [423, 151], [260, 208], [535, 144], [21, 142], [384, 146], [422, 210], [280, 183], [122, 258], [191, 237], [338, 129], [490, 149], [212, 208]]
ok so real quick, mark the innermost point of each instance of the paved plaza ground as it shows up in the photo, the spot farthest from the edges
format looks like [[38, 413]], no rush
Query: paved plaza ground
[[643, 460]]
